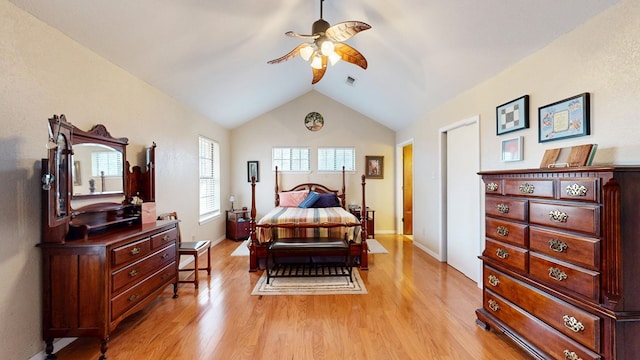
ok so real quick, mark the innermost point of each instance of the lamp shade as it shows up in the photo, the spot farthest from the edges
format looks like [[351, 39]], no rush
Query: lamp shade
[[232, 198]]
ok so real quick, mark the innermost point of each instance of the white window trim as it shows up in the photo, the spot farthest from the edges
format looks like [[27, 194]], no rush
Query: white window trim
[[215, 168]]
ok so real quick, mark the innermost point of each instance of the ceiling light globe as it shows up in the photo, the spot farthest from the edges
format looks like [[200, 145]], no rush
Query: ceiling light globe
[[327, 47], [306, 52], [316, 63]]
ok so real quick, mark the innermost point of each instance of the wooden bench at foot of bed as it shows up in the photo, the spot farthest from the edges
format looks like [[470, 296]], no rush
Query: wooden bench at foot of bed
[[308, 256]]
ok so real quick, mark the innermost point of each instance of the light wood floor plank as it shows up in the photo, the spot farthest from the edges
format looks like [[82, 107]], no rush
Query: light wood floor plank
[[417, 308]]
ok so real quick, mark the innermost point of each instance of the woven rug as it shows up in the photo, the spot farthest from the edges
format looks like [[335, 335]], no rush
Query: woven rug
[[310, 285], [374, 248]]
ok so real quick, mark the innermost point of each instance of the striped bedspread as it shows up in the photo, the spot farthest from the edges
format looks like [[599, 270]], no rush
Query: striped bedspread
[[280, 215]]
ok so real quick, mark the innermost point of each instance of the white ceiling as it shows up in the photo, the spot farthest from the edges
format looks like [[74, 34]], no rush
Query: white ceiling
[[212, 55]]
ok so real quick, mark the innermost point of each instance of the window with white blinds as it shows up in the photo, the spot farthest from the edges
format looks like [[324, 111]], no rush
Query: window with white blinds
[[291, 158], [106, 163], [209, 157], [334, 158]]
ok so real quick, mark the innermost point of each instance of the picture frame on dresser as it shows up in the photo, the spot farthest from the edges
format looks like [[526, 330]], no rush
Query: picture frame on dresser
[[512, 115], [564, 119]]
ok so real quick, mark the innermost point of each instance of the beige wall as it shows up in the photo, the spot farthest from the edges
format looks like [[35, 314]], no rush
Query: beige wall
[[601, 57], [284, 126], [42, 72]]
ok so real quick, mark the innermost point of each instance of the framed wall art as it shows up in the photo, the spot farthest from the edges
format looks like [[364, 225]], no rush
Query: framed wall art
[[253, 169], [374, 167], [512, 149], [564, 119], [513, 115]]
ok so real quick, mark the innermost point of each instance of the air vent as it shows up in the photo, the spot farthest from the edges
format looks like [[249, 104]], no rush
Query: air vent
[[351, 81]]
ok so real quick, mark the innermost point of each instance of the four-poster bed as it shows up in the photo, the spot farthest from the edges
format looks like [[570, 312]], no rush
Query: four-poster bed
[[292, 218]]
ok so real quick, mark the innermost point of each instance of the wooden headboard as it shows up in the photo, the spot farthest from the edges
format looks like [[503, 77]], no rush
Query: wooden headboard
[[319, 188]]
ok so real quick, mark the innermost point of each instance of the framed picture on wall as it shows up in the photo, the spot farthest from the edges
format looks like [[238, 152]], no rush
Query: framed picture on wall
[[513, 115], [374, 167], [253, 169], [512, 149], [564, 119]]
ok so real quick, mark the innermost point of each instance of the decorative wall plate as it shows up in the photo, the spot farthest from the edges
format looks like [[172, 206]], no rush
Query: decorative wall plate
[[314, 121]]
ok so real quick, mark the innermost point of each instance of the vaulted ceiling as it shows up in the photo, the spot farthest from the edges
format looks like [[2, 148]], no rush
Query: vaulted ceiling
[[212, 55]]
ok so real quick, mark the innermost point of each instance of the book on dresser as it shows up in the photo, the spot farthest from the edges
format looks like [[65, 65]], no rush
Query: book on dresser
[[560, 263]]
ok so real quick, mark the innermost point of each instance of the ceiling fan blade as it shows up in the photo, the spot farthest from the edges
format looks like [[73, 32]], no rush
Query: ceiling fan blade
[[345, 30], [301, 36], [349, 54], [319, 73], [289, 55]]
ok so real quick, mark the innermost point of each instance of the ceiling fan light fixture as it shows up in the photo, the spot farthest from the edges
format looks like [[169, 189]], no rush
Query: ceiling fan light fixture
[[327, 47], [306, 52], [316, 63], [334, 58]]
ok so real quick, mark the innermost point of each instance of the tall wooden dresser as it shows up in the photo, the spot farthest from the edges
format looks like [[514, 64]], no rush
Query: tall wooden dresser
[[561, 265]]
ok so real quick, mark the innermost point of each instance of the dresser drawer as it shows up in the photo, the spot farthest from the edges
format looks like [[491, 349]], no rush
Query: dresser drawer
[[565, 276], [128, 299], [509, 208], [130, 252], [579, 189], [578, 250], [508, 255], [493, 186], [507, 231], [583, 218], [140, 269], [547, 339], [529, 188], [162, 239], [566, 318]]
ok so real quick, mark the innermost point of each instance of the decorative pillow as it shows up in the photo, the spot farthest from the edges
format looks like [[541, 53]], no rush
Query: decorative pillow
[[326, 200], [292, 198], [310, 200]]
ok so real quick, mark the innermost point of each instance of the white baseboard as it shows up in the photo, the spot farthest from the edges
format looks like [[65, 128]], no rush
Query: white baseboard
[[57, 345]]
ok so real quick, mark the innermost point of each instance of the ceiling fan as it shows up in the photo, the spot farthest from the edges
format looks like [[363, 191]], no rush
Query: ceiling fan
[[326, 45]]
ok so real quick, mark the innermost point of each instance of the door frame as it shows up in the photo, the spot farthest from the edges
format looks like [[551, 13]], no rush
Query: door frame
[[399, 176]]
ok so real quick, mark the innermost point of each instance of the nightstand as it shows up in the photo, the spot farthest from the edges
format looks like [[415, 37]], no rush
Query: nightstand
[[371, 219], [238, 224]]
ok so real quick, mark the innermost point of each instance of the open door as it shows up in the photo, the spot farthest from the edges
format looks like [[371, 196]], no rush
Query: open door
[[407, 189]]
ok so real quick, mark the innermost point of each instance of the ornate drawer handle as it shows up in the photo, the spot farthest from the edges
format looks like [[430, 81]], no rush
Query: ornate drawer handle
[[166, 275], [133, 272], [527, 188], [492, 186], [165, 256], [502, 230], [558, 216], [502, 253], [571, 355], [557, 274], [576, 190], [135, 251], [572, 323], [502, 208], [557, 245], [165, 237], [493, 280], [493, 305], [133, 297]]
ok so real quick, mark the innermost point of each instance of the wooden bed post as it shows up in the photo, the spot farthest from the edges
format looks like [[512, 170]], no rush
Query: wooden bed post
[[344, 196], [253, 253], [364, 251], [277, 194]]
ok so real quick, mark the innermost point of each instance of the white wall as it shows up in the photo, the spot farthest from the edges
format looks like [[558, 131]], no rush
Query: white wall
[[601, 57], [284, 126], [43, 72]]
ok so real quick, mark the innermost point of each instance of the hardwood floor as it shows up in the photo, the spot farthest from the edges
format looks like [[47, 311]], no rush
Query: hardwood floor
[[416, 308]]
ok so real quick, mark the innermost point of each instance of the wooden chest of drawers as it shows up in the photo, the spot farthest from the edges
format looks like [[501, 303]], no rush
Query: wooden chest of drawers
[[562, 261], [91, 285]]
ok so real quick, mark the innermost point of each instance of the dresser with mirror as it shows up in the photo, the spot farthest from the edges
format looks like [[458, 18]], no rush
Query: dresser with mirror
[[100, 262]]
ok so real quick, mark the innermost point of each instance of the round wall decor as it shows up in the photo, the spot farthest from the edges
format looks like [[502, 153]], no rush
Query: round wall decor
[[314, 121]]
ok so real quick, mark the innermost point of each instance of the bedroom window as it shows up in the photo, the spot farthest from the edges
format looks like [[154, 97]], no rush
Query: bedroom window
[[333, 159], [291, 158], [209, 160], [106, 163]]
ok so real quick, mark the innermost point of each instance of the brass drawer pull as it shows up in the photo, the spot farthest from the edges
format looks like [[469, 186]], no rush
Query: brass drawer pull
[[133, 273], [502, 230], [527, 188], [166, 237], [493, 280], [571, 355], [557, 245], [165, 256], [572, 323], [502, 253], [557, 274], [493, 305], [576, 190], [135, 251], [502, 208], [492, 186], [558, 216], [133, 297]]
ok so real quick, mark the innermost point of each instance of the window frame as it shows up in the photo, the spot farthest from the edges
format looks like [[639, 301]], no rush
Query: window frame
[[211, 158], [292, 157], [336, 167]]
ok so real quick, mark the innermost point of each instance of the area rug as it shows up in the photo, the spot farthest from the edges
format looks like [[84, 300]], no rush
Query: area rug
[[310, 285], [374, 248]]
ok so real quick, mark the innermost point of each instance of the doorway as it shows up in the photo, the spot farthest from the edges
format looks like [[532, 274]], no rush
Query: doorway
[[407, 189]]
